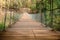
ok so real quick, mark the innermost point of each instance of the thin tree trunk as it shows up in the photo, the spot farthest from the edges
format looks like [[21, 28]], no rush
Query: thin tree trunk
[[51, 12], [5, 20], [45, 16]]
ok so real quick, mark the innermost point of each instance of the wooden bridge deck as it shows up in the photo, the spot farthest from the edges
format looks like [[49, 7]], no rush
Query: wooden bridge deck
[[28, 29]]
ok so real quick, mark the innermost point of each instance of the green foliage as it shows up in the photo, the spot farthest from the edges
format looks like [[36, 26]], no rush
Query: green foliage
[[33, 7], [13, 5], [56, 22], [1, 26], [56, 25], [46, 7]]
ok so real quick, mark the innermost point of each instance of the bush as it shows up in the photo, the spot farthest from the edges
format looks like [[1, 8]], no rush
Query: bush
[[56, 25], [1, 26]]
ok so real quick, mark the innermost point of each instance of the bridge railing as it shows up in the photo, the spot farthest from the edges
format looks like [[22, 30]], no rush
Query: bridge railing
[[50, 17], [7, 18]]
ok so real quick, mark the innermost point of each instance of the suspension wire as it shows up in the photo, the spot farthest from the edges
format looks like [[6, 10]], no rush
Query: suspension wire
[[10, 19], [10, 16], [1, 9], [41, 11], [5, 17], [51, 12], [38, 9], [13, 17], [45, 16]]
